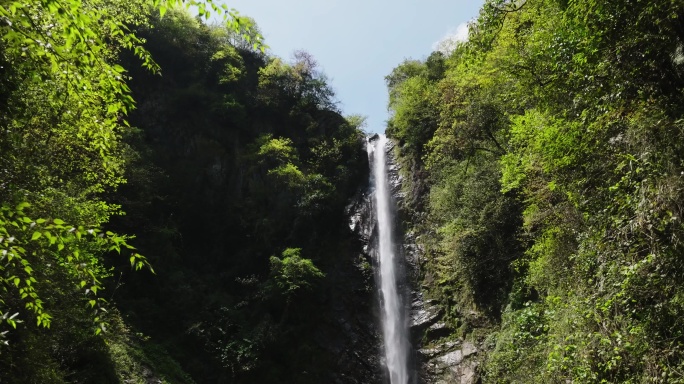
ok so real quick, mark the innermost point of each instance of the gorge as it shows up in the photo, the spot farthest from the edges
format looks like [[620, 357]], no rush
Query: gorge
[[519, 222]]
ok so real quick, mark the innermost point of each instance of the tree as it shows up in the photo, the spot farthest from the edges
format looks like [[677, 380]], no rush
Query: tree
[[292, 273]]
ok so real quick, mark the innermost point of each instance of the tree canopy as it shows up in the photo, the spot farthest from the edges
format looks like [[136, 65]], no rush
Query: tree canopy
[[550, 144], [227, 158]]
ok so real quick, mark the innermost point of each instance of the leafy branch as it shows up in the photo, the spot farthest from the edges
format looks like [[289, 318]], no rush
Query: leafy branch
[[34, 252]]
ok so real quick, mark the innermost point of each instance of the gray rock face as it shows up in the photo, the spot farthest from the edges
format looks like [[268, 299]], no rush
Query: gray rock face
[[464, 373], [469, 349], [423, 317], [438, 330], [451, 359], [455, 366], [443, 359]]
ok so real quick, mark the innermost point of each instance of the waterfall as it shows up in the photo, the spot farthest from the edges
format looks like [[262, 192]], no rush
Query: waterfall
[[394, 326]]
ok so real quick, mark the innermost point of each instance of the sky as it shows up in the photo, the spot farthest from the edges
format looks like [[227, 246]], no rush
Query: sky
[[358, 42]]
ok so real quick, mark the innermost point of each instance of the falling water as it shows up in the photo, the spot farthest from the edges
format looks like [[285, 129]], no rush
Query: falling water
[[394, 327]]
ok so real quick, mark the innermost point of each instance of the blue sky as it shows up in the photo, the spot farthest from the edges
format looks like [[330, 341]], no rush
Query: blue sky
[[357, 43]]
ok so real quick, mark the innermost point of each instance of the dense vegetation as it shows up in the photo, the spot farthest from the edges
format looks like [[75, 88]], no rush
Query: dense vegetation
[[232, 169], [545, 173], [550, 148], [237, 194]]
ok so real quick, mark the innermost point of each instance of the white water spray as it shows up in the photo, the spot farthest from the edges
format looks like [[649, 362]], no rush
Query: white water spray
[[394, 327]]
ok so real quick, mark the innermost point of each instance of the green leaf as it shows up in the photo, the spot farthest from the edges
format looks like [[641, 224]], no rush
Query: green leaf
[[36, 235], [21, 206]]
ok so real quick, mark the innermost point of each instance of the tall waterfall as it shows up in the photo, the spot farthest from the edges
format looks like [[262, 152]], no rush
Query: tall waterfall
[[394, 327]]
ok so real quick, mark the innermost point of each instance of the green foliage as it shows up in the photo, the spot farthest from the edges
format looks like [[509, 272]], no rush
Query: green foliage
[[300, 81], [554, 109], [59, 255], [413, 105], [477, 233], [414, 119], [292, 272], [63, 110], [135, 359], [239, 156], [526, 328], [280, 154]]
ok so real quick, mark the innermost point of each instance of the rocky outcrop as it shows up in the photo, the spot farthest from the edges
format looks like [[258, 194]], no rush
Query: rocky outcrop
[[455, 363], [440, 358], [423, 315]]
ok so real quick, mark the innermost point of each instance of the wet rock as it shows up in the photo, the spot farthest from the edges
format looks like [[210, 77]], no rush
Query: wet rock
[[429, 353], [438, 330], [438, 349], [423, 318], [360, 213]]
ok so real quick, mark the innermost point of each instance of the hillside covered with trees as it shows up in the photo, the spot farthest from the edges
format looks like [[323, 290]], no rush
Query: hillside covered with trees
[[134, 128], [545, 172]]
